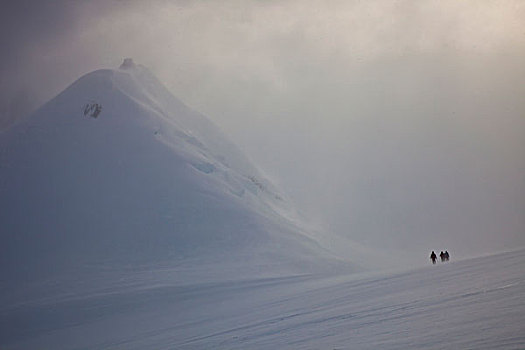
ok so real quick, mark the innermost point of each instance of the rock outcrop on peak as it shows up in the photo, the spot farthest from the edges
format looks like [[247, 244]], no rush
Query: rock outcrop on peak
[[127, 64]]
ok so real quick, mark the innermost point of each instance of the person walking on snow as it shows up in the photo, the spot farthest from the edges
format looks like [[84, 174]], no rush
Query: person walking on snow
[[433, 257]]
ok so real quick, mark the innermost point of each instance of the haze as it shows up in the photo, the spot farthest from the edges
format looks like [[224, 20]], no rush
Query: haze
[[397, 124]]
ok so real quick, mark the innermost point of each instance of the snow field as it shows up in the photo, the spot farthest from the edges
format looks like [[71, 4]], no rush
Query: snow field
[[470, 304]]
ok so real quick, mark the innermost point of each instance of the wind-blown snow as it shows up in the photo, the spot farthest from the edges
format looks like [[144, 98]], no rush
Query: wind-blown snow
[[471, 304], [116, 177]]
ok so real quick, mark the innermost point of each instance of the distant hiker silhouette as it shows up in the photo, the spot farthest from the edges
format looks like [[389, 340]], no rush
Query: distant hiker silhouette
[[447, 256], [442, 256], [433, 257]]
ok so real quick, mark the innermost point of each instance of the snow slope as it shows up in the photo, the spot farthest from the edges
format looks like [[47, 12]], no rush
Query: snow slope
[[115, 176], [470, 304]]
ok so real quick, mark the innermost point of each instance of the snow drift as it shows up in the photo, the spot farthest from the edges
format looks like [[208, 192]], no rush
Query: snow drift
[[117, 172]]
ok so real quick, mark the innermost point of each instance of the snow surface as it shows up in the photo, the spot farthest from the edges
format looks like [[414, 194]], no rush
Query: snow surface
[[129, 221], [471, 304]]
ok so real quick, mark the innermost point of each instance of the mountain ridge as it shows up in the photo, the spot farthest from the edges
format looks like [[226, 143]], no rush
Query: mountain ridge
[[115, 169]]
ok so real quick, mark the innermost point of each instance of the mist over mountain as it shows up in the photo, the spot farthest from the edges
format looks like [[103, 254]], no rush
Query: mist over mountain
[[394, 124], [279, 182]]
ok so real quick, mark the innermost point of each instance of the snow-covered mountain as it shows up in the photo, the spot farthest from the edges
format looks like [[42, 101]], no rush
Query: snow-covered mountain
[[128, 221], [117, 172]]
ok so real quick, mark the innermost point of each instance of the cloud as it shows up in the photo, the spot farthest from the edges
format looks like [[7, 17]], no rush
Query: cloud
[[270, 42]]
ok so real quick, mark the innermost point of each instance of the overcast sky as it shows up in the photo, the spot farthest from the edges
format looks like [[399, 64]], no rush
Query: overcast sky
[[399, 124]]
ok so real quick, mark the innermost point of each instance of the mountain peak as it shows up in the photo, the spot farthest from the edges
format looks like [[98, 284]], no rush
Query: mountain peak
[[127, 64]]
